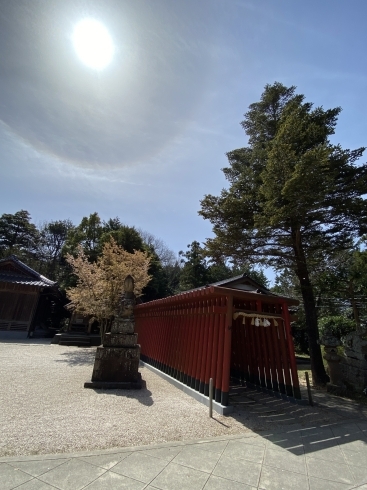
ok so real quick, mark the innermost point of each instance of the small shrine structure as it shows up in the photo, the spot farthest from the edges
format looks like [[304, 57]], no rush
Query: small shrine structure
[[233, 328]]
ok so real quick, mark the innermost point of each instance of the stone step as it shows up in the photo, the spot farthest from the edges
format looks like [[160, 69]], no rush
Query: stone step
[[76, 343], [74, 338], [94, 340]]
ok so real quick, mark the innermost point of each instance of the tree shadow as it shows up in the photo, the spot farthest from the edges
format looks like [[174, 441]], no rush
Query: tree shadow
[[79, 357], [301, 429]]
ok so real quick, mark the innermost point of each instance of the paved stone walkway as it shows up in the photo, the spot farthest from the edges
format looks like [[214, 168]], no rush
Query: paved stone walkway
[[325, 457]]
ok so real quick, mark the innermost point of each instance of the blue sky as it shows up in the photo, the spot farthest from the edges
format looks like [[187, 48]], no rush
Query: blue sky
[[145, 139]]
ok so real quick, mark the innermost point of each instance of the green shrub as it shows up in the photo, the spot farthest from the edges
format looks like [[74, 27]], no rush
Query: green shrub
[[339, 326]]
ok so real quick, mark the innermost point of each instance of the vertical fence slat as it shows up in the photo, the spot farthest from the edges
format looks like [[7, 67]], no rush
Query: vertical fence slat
[[292, 358], [200, 347], [227, 351], [213, 368], [264, 350], [222, 326], [195, 381], [205, 347]]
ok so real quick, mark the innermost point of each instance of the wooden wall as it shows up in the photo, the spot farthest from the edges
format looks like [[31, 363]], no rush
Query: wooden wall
[[17, 306]]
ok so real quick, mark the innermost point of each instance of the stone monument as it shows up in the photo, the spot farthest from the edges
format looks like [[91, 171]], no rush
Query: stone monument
[[331, 356], [117, 362], [354, 363]]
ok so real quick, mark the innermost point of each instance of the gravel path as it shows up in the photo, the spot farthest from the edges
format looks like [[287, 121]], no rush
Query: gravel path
[[44, 407]]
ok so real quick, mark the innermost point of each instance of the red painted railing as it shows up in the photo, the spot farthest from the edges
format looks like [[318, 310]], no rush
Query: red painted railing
[[211, 333]]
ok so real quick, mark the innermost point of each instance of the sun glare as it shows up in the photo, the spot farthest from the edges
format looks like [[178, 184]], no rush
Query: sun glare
[[93, 43]]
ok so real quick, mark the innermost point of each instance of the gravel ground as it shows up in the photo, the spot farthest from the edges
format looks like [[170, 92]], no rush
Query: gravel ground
[[44, 407]]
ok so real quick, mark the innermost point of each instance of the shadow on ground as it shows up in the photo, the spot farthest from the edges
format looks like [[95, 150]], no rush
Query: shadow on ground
[[302, 429], [143, 396], [78, 357], [7, 337]]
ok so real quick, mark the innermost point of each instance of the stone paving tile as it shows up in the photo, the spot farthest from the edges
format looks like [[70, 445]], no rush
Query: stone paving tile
[[35, 484], [253, 441], [197, 459], [359, 474], [285, 460], [165, 453], [113, 481], [355, 444], [317, 447], [217, 483], [332, 471], [180, 477], [287, 441], [325, 452], [140, 467], [216, 447], [276, 479], [238, 470], [342, 430], [285, 431], [72, 475], [36, 468], [106, 461], [318, 484], [318, 434], [362, 425], [294, 446], [11, 477], [239, 450], [354, 458]]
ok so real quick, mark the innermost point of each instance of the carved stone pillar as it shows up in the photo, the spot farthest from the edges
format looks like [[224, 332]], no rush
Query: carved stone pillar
[[354, 363], [330, 343], [117, 362]]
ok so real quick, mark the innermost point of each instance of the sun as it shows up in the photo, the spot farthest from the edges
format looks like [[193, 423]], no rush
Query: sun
[[93, 43]]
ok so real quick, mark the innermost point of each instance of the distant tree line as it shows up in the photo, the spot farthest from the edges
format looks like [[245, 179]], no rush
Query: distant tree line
[[45, 247]]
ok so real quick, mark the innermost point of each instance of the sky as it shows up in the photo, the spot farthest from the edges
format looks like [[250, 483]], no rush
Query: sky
[[146, 138]]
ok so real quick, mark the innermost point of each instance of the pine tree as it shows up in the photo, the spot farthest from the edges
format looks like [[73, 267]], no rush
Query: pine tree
[[293, 198]]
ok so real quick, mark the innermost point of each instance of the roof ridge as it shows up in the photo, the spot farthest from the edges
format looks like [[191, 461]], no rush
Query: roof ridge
[[28, 269]]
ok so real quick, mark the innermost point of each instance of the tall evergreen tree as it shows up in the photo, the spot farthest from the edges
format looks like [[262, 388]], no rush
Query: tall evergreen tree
[[53, 236], [294, 197], [18, 235], [194, 272]]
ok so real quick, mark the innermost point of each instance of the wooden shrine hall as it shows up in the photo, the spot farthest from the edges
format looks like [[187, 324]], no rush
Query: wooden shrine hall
[[24, 295], [233, 328]]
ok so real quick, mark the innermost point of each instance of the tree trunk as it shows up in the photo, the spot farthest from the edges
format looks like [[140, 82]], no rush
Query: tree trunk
[[319, 375]]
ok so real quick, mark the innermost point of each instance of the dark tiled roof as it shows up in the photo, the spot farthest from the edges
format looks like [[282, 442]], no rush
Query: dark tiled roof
[[243, 278], [254, 286], [22, 274], [225, 281]]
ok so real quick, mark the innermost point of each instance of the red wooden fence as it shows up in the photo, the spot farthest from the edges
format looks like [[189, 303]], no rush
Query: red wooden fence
[[212, 332]]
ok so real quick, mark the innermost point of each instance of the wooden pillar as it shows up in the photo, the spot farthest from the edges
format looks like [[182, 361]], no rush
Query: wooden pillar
[[227, 352], [292, 357]]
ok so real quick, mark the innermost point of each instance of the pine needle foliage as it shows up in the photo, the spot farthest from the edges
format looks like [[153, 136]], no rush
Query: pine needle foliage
[[294, 197]]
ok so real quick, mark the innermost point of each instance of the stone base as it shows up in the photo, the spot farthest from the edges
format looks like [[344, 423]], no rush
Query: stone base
[[120, 340], [113, 385], [338, 390], [116, 365]]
